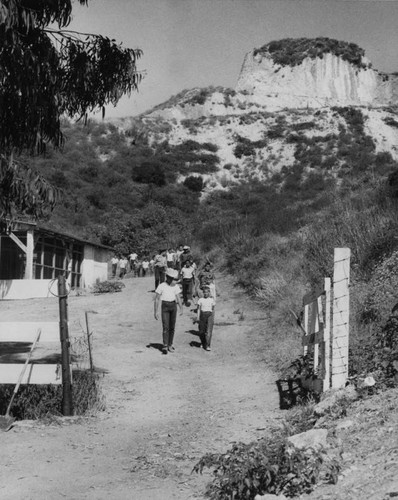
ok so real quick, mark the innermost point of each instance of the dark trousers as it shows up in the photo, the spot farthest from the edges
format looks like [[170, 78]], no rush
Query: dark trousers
[[114, 269], [186, 289], [206, 322], [160, 275], [169, 316]]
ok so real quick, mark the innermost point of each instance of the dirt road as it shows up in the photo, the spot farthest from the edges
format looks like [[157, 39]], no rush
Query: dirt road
[[162, 412]]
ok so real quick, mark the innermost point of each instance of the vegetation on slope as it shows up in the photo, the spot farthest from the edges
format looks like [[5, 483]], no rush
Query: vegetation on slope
[[279, 245], [293, 51], [277, 238], [111, 179]]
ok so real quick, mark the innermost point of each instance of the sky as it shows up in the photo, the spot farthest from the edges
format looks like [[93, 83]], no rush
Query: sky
[[198, 43]]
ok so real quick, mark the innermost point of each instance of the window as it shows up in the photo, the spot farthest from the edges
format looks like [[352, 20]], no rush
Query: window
[[52, 258]]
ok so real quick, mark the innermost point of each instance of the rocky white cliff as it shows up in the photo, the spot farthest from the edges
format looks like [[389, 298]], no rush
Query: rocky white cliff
[[284, 116], [316, 82]]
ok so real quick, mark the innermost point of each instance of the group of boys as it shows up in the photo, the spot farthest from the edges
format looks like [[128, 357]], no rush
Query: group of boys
[[131, 263], [199, 285]]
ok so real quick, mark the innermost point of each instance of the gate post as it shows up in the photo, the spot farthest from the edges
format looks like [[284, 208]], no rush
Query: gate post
[[341, 305], [67, 406]]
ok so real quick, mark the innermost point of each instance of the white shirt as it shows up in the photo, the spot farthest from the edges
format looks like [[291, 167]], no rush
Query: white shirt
[[167, 292], [206, 304], [187, 272], [133, 256]]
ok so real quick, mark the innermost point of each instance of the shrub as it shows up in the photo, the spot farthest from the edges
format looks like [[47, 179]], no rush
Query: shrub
[[32, 401], [194, 183], [391, 122], [108, 287], [292, 51], [266, 466], [150, 172], [42, 401], [272, 288], [382, 290]]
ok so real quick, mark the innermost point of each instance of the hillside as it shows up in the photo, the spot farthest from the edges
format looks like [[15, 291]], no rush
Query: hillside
[[209, 142], [264, 183]]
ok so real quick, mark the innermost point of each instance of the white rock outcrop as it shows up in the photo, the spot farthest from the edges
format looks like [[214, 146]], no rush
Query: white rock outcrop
[[326, 81]]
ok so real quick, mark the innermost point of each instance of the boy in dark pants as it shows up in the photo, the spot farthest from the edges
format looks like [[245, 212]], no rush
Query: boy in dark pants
[[206, 305], [187, 274], [168, 295]]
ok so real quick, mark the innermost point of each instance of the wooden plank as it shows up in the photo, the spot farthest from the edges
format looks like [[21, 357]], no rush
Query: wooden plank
[[341, 305], [313, 338], [306, 307], [315, 329], [18, 242], [35, 374], [26, 331], [29, 254], [326, 334], [313, 296]]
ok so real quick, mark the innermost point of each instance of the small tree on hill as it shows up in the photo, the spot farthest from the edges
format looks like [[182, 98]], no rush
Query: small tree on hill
[[48, 72]]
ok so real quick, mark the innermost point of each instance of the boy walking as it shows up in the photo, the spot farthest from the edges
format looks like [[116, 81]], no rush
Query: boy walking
[[187, 274], [206, 306], [160, 266], [168, 295], [123, 267], [114, 263]]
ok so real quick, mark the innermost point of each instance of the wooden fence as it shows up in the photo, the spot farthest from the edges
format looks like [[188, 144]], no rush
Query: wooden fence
[[50, 361], [45, 364], [326, 326]]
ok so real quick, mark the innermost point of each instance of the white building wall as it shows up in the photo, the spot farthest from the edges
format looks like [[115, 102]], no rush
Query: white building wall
[[94, 266]]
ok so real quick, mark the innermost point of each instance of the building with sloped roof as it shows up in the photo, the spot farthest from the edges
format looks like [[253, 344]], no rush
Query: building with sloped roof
[[32, 257]]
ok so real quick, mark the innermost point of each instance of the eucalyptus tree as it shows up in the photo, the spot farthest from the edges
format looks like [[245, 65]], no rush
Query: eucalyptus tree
[[47, 72]]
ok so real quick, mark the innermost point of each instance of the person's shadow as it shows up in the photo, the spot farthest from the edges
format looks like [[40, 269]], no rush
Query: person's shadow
[[155, 345], [193, 343]]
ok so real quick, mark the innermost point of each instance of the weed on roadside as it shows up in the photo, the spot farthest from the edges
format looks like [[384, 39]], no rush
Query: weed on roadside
[[34, 402]]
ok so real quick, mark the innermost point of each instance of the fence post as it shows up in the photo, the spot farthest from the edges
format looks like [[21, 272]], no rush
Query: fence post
[[67, 406], [341, 304], [89, 344], [326, 335]]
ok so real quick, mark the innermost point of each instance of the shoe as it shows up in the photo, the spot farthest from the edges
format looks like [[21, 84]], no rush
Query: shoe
[[207, 349], [164, 350], [171, 348]]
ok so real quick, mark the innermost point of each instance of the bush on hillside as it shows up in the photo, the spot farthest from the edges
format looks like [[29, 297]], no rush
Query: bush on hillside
[[292, 51], [149, 172], [194, 183]]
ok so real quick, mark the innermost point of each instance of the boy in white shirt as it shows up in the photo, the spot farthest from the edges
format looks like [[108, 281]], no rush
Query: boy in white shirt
[[206, 306], [123, 267], [187, 274], [168, 294], [145, 266], [114, 263]]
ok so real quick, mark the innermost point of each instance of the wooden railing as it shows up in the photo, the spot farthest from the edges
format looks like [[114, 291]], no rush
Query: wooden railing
[[326, 327]]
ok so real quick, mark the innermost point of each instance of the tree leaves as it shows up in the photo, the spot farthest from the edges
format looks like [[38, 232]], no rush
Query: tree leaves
[[46, 73], [24, 192]]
